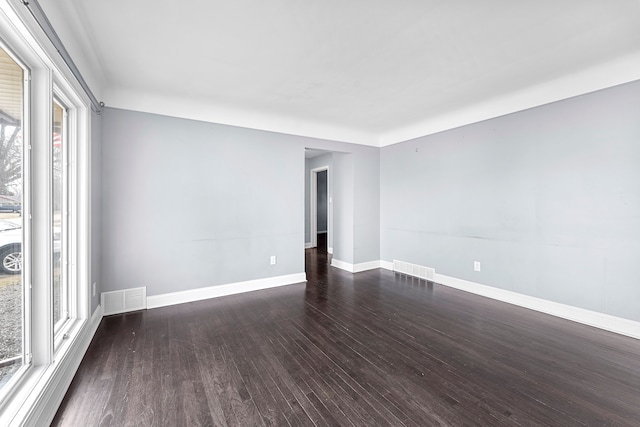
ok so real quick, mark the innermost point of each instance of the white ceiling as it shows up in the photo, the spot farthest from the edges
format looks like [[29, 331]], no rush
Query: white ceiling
[[365, 71]]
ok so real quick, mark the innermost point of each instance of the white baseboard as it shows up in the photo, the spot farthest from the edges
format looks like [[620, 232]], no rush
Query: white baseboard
[[592, 318], [198, 294], [355, 268], [364, 266], [308, 245], [387, 265], [42, 406], [342, 265]]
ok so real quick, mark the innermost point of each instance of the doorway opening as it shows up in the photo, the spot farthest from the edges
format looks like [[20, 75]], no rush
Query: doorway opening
[[319, 198]]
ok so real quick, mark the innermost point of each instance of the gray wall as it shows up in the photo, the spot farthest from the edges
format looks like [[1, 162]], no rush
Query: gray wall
[[366, 206], [547, 199], [96, 208], [188, 204], [343, 212]]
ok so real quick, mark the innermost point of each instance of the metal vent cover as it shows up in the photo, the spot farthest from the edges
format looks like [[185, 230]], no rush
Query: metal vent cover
[[414, 270]]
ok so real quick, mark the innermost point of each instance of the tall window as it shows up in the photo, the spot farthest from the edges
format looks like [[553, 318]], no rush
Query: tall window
[[45, 301], [12, 318], [45, 224]]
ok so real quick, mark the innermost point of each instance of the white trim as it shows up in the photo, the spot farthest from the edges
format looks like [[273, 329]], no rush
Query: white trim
[[308, 245], [619, 71], [43, 401], [163, 300], [355, 268], [38, 392], [188, 108], [329, 250], [342, 265], [364, 266], [592, 318], [387, 265]]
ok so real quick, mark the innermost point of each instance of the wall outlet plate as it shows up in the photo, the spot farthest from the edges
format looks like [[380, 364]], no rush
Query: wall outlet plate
[[476, 265]]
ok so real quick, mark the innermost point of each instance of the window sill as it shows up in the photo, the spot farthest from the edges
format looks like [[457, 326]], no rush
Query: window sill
[[43, 387]]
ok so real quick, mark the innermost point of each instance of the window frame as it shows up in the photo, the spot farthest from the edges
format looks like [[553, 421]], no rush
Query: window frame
[[17, 377], [66, 286], [47, 360]]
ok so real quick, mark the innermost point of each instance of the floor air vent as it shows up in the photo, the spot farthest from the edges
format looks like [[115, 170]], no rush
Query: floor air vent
[[123, 301], [415, 270]]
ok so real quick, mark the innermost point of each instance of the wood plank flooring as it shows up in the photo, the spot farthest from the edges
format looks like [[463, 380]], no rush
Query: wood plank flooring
[[370, 349]]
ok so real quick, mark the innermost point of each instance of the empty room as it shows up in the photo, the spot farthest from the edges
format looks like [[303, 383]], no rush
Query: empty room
[[340, 213]]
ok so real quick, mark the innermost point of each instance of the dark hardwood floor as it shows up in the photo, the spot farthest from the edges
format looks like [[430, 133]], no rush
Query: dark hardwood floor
[[322, 242], [370, 349]]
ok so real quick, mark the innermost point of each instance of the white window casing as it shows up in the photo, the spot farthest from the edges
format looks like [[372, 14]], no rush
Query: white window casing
[[49, 358]]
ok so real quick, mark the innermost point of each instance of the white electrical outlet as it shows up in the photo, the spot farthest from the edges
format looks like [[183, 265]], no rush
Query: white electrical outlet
[[93, 289], [476, 265], [273, 260]]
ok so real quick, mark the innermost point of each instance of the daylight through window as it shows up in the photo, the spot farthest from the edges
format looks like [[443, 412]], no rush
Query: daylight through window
[[11, 224]]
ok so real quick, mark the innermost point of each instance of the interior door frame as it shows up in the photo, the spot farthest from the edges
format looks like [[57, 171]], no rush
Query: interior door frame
[[313, 196]]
